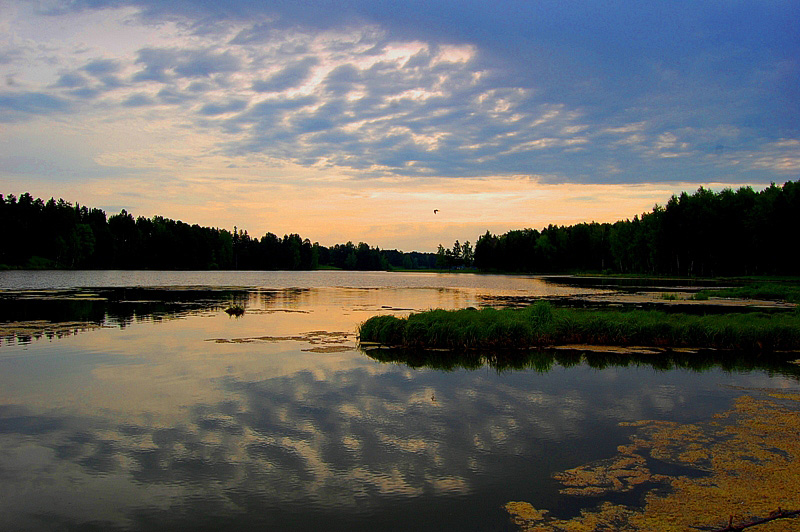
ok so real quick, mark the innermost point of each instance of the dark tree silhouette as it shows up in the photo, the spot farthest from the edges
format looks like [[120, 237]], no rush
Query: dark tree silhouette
[[740, 232], [56, 234]]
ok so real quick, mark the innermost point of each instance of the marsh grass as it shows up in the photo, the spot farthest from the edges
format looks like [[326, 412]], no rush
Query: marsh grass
[[542, 325]]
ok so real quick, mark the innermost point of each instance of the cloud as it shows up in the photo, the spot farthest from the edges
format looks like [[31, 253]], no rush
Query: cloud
[[259, 33], [156, 62], [71, 80], [8, 56], [102, 67], [781, 157], [138, 100], [161, 64], [86, 93], [170, 95], [204, 63], [16, 105], [286, 78], [213, 109]]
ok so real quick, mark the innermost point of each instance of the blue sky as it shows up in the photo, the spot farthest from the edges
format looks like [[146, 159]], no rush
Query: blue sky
[[354, 120]]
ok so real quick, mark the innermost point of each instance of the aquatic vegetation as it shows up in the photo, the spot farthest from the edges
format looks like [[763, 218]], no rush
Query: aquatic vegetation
[[235, 310], [542, 325], [772, 291], [25, 331], [324, 341], [746, 471]]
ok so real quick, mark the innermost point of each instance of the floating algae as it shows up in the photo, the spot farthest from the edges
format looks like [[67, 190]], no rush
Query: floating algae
[[749, 456], [24, 331], [325, 341], [330, 349]]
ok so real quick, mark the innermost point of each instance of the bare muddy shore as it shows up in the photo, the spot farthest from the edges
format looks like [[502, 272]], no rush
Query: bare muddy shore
[[675, 300], [669, 294]]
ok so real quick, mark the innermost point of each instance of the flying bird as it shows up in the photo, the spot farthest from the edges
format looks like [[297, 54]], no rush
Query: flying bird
[[435, 211]]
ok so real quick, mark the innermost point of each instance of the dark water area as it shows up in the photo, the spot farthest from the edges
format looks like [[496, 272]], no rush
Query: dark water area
[[546, 360], [117, 305], [168, 414]]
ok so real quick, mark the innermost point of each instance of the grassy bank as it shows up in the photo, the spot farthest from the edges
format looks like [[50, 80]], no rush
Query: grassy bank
[[542, 325]]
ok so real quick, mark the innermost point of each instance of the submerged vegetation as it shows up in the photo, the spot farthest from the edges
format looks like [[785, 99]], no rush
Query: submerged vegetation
[[235, 310], [542, 324], [773, 291]]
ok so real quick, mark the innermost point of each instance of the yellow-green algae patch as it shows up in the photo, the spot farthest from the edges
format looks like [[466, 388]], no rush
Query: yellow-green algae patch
[[324, 341], [312, 337], [750, 455], [331, 349], [620, 474]]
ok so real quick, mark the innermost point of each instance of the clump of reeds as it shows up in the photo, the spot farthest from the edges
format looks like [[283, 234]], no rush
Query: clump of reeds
[[542, 325], [235, 310]]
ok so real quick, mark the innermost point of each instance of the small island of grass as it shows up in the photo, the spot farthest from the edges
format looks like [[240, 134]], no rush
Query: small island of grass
[[543, 325]]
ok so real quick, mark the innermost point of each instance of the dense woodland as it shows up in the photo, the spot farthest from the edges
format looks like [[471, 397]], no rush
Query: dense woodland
[[740, 232], [56, 234]]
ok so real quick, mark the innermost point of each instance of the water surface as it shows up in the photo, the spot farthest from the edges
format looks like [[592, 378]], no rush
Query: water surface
[[169, 414]]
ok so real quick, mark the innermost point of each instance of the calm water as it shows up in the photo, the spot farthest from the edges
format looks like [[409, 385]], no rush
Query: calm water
[[172, 415]]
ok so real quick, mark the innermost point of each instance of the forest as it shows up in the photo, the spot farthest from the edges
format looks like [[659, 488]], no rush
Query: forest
[[706, 233], [41, 234]]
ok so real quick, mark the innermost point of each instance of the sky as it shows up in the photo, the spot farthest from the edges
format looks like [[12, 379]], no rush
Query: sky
[[356, 119]]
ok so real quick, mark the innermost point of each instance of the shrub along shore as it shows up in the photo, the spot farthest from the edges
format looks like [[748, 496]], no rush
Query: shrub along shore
[[543, 325]]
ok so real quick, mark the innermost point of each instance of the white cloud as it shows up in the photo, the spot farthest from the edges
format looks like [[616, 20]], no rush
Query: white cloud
[[627, 128], [348, 99], [781, 157]]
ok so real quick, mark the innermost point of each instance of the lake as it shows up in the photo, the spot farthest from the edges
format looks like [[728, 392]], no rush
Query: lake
[[132, 401]]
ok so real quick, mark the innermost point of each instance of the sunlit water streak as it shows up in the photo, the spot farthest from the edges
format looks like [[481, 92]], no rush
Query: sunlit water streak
[[190, 419]]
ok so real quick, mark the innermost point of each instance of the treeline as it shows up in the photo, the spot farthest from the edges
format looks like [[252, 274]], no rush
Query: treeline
[[458, 257], [56, 234], [740, 232]]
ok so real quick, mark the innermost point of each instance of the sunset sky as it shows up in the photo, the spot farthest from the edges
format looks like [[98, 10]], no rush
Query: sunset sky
[[354, 120]]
